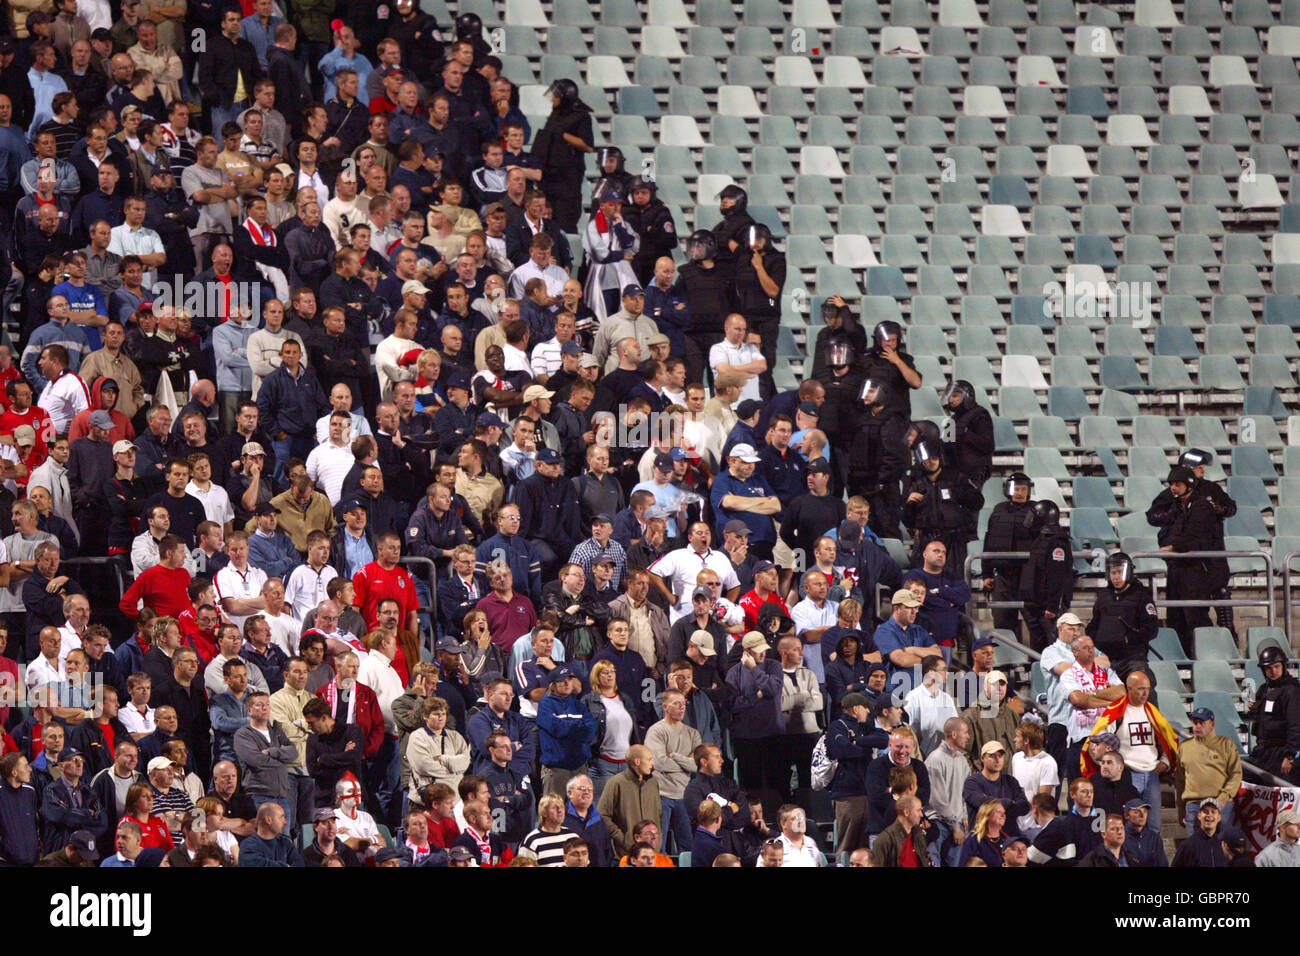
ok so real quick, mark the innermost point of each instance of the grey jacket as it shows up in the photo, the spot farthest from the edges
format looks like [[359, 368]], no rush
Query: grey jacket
[[264, 774]]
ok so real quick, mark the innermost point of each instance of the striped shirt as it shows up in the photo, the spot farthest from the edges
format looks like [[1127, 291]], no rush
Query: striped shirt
[[546, 848], [588, 552]]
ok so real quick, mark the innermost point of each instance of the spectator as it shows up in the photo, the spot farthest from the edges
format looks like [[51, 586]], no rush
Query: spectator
[[1209, 766]]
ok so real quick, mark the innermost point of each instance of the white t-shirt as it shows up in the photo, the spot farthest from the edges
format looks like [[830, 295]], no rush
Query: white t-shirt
[[618, 729], [1137, 740], [285, 630], [683, 565], [327, 466], [363, 826], [231, 583], [306, 589], [1076, 678], [734, 355], [216, 502], [1034, 772]]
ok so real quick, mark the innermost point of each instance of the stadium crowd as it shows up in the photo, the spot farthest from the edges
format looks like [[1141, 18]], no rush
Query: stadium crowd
[[455, 524]]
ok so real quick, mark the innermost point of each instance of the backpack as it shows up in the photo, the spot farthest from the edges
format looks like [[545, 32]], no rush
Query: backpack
[[823, 767]]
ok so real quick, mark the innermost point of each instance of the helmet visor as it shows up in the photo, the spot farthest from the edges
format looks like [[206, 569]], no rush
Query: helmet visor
[[839, 352], [925, 451], [1119, 571], [1016, 484], [873, 391]]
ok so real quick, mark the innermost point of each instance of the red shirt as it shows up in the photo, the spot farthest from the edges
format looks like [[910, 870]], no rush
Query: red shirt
[[442, 832], [155, 833], [751, 604], [11, 374], [163, 590], [907, 853], [40, 421], [110, 736], [373, 584]]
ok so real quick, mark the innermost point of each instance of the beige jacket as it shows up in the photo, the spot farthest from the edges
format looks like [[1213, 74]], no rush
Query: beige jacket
[[1207, 768], [99, 364], [166, 67], [286, 710]]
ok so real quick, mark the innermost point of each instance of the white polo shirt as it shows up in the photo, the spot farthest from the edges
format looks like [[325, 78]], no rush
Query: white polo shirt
[[327, 466], [682, 566], [230, 583]]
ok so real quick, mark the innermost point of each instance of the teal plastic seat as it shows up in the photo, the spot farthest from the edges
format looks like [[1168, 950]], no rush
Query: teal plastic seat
[[1094, 492], [1046, 463], [1252, 460], [1148, 461], [1259, 636], [1018, 403], [1139, 492], [1214, 643], [1069, 402], [1100, 431], [1091, 527], [1220, 372], [1166, 647], [1227, 719], [1047, 431]]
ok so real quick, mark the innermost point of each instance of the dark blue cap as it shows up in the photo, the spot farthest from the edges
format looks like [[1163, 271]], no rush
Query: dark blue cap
[[1202, 713], [489, 420], [570, 348], [548, 456], [458, 380]]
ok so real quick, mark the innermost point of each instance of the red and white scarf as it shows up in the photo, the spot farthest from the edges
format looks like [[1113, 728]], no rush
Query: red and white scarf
[[266, 238], [1091, 679], [484, 846], [330, 692]]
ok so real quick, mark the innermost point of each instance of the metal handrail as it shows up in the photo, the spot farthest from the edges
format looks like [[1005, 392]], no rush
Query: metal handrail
[[1286, 592], [431, 576], [1267, 601], [1020, 555], [1272, 779]]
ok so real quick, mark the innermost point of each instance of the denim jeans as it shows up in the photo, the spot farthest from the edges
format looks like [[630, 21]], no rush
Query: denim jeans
[[600, 772], [1147, 783], [940, 846], [1194, 807], [676, 820]]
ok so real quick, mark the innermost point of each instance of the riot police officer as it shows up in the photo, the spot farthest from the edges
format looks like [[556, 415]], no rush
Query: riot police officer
[[941, 505], [469, 27], [1047, 581], [653, 225], [728, 234], [969, 431], [559, 148], [609, 173], [886, 362], [706, 285], [1224, 507], [1276, 715], [841, 326], [1124, 617], [839, 412], [756, 293], [878, 459], [1007, 531], [1188, 522]]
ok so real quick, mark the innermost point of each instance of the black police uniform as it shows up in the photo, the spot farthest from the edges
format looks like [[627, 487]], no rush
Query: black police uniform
[[876, 366], [877, 464], [1046, 585], [1190, 524], [656, 232], [947, 512], [1006, 531], [761, 311], [973, 441], [1276, 715], [1123, 624]]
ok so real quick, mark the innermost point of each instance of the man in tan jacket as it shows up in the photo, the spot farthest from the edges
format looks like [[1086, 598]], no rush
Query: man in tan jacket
[[112, 362], [159, 59], [286, 713], [1209, 767]]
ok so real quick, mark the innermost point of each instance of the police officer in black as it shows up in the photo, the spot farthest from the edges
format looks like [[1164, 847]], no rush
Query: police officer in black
[[1189, 522], [969, 431], [729, 234], [756, 293], [609, 173], [706, 285], [841, 326], [1124, 617], [1047, 581], [878, 458], [1007, 531], [1224, 507], [886, 362], [559, 148], [839, 412], [1276, 715], [941, 505], [653, 224]]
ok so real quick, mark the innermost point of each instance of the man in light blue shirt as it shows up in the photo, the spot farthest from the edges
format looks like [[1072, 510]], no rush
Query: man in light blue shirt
[[903, 643], [344, 56], [667, 495], [357, 552], [259, 28], [46, 84]]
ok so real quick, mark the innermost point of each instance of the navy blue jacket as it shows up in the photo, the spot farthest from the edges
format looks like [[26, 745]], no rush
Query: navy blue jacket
[[595, 832], [1198, 850], [848, 741], [277, 852], [520, 730], [1147, 845], [630, 669], [1068, 838], [61, 819], [978, 790], [754, 717], [881, 811], [549, 511], [291, 405], [705, 847], [521, 557], [454, 602], [565, 730], [20, 842]]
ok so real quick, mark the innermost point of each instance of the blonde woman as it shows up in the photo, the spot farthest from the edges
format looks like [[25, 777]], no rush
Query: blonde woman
[[988, 837], [546, 843], [616, 727]]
